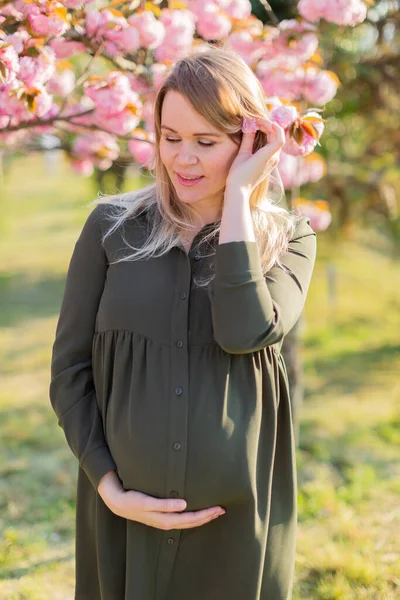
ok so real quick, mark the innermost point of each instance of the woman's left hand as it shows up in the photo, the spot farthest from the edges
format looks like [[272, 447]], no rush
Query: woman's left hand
[[248, 169]]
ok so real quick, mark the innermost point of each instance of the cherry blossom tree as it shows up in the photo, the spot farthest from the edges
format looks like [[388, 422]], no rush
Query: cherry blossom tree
[[87, 72]]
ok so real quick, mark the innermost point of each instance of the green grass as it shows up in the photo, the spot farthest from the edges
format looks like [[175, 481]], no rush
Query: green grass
[[348, 457]]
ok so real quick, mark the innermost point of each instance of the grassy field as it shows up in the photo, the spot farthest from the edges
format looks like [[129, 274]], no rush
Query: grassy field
[[348, 457]]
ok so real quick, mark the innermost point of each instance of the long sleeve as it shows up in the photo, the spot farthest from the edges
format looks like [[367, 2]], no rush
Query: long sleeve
[[72, 391], [251, 310]]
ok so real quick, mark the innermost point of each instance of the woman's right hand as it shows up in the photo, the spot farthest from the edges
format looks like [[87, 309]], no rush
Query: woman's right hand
[[162, 513]]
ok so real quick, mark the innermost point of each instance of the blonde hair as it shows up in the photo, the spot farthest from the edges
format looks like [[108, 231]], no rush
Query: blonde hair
[[223, 89]]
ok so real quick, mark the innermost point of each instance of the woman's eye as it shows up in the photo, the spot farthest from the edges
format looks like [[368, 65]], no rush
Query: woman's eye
[[201, 143]]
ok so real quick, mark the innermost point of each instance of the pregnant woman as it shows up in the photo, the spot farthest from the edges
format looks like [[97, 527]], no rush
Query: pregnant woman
[[166, 373]]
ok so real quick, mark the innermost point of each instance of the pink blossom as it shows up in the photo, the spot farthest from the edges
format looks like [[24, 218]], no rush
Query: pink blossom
[[239, 9], [100, 23], [22, 104], [198, 7], [180, 28], [284, 115], [37, 71], [77, 108], [249, 125], [281, 82], [137, 83], [142, 152], [30, 9], [287, 169], [4, 120], [9, 10], [27, 71], [98, 146], [124, 38], [14, 139], [299, 170], [316, 85], [311, 10], [121, 102], [151, 30], [293, 26], [179, 23], [18, 107], [296, 39], [54, 111], [243, 43], [82, 166], [317, 211], [319, 87], [159, 72], [62, 83], [272, 102], [93, 22], [65, 48], [72, 4], [306, 147], [213, 24], [169, 53], [110, 93], [341, 12], [121, 123], [9, 60], [308, 142], [47, 25], [43, 102], [111, 49], [314, 168], [10, 104], [318, 125], [114, 29], [17, 39], [148, 115]]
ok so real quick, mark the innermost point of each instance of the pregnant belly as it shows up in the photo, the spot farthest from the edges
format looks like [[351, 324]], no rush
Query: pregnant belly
[[219, 463]]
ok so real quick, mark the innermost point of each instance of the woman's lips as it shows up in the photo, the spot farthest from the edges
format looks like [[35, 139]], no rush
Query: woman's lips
[[189, 182]]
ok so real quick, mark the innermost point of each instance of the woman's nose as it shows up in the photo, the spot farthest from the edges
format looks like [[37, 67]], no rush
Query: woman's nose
[[186, 155]]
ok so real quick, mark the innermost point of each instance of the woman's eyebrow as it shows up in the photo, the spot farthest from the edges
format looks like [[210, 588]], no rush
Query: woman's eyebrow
[[195, 134]]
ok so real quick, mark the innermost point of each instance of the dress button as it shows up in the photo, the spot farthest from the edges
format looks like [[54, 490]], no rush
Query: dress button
[[179, 343], [178, 391], [170, 541], [183, 295], [177, 446], [197, 257], [174, 494]]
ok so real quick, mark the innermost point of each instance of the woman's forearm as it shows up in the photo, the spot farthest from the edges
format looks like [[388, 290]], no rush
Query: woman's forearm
[[236, 221]]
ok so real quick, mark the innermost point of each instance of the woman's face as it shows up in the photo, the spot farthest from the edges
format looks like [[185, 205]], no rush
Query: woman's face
[[183, 152]]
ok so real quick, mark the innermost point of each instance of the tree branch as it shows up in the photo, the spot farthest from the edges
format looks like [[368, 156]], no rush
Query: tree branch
[[43, 122], [268, 9]]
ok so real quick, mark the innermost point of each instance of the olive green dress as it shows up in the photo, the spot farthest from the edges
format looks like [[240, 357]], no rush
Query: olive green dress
[[184, 392]]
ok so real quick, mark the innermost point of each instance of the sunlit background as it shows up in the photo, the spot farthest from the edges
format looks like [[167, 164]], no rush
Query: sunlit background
[[346, 387]]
